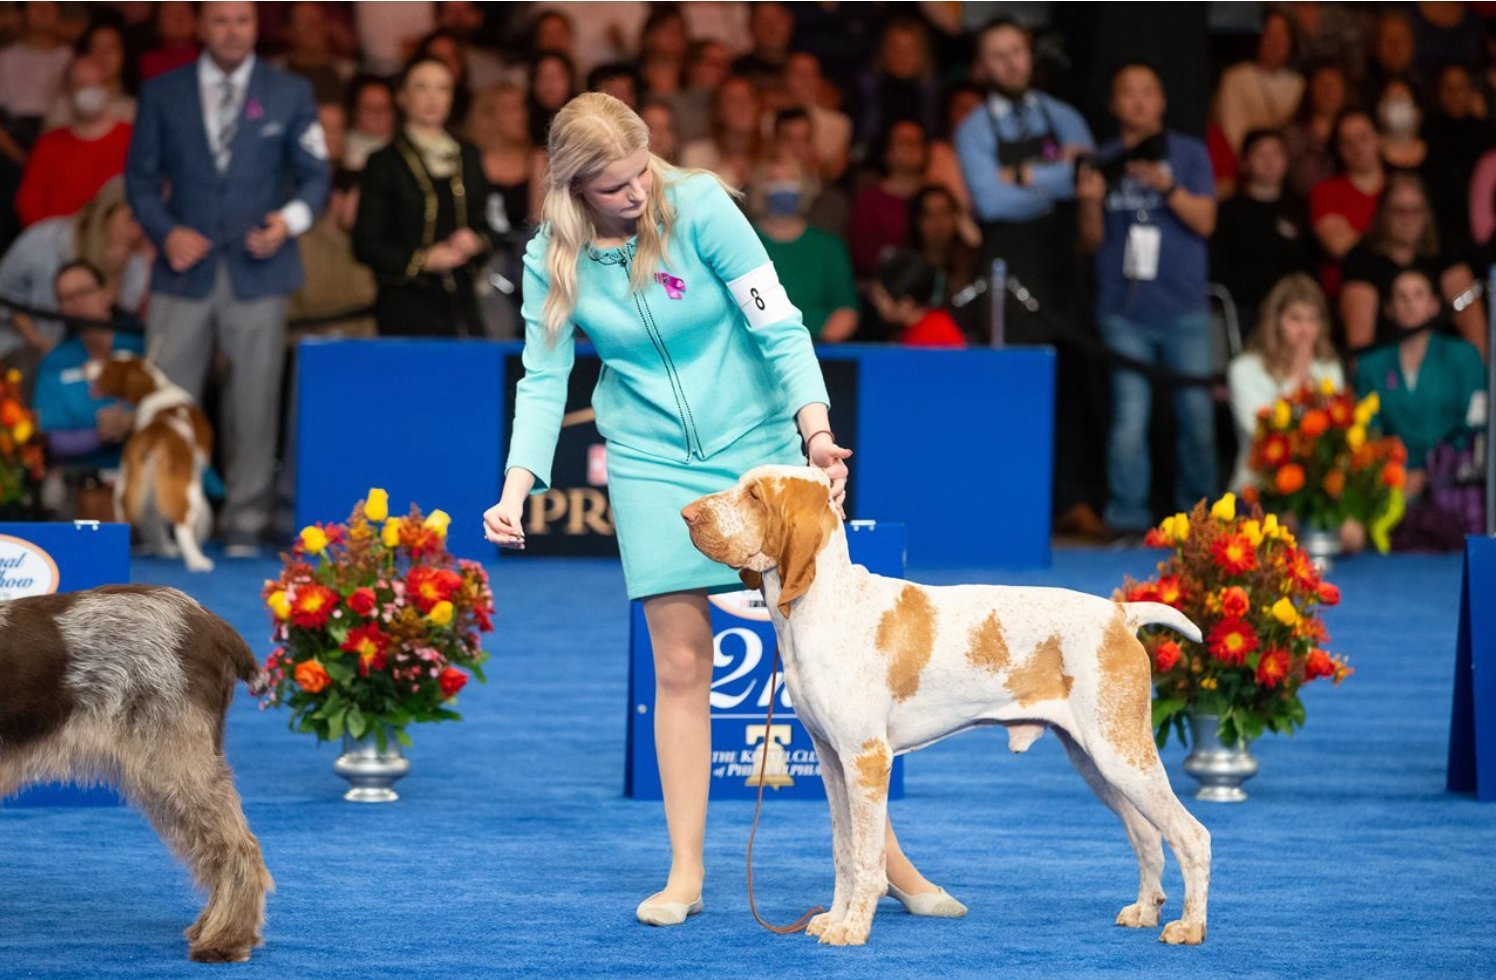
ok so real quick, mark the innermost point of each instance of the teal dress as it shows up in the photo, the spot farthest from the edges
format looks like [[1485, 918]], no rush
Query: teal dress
[[1438, 408], [704, 371]]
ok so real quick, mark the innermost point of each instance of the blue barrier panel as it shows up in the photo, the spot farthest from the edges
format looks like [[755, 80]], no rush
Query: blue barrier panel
[[41, 558], [957, 444], [419, 418], [744, 644], [1472, 727]]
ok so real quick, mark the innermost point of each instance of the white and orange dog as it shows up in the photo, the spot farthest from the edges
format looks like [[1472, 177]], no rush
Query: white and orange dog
[[161, 474], [878, 666]]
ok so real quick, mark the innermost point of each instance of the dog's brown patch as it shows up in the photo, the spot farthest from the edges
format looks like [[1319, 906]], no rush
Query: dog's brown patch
[[906, 635], [873, 767], [987, 648], [1042, 678], [1123, 700], [125, 378], [799, 521], [35, 701]]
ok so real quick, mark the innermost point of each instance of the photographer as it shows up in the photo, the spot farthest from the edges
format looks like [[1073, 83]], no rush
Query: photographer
[[1146, 210]]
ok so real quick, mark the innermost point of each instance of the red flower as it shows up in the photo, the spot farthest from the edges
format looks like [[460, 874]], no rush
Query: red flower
[[1394, 475], [1155, 539], [1166, 656], [1301, 570], [369, 644], [1171, 591], [1143, 592], [362, 601], [483, 614], [312, 606], [1234, 602], [1341, 412], [1318, 664], [427, 586], [1234, 554], [1329, 594], [1272, 668], [451, 680], [1274, 452], [1231, 641]]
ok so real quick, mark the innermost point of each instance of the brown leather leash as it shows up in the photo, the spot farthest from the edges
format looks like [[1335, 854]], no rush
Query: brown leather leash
[[763, 770]]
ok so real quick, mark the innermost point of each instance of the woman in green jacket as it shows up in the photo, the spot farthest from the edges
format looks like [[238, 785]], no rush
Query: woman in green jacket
[[708, 371]]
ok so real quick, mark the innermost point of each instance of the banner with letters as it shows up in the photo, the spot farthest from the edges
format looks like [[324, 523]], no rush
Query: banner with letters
[[743, 644]]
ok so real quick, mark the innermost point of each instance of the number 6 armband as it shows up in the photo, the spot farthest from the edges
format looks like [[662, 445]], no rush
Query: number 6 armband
[[761, 297]]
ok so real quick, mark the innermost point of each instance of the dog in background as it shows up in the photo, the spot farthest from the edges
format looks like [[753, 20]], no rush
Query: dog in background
[[129, 685], [162, 466], [878, 666]]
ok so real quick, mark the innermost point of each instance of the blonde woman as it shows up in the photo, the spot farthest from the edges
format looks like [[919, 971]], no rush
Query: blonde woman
[[708, 372], [1289, 349]]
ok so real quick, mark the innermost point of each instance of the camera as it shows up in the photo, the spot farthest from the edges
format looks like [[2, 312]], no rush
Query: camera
[[1112, 166]]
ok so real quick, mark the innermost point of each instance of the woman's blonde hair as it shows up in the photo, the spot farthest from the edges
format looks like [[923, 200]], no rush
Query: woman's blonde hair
[[1267, 339], [91, 228], [590, 132]]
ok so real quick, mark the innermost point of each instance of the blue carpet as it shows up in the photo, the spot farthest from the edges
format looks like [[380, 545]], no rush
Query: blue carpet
[[514, 851]]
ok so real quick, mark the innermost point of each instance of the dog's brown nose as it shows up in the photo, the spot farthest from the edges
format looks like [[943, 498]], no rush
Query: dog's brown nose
[[692, 513]]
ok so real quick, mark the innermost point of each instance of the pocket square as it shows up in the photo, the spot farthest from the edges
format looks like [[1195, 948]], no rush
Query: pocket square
[[272, 129]]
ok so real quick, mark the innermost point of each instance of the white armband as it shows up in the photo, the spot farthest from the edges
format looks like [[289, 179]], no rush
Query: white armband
[[761, 296]]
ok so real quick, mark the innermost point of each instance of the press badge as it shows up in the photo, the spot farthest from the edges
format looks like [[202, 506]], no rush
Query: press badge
[[761, 297], [1140, 258]]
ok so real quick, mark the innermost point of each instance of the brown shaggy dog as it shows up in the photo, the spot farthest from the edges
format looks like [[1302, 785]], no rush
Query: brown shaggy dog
[[129, 685]]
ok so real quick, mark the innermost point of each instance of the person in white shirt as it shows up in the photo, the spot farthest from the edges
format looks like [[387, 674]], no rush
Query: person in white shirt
[[1265, 92]]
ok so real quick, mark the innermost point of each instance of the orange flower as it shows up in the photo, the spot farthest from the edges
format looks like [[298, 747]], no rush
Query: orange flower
[[427, 586], [1170, 591], [1394, 475], [1272, 668], [1301, 570], [312, 676], [1318, 664], [1166, 656], [1290, 479], [1234, 602], [1329, 594], [1234, 554], [1334, 483], [11, 413], [1231, 641], [1314, 423]]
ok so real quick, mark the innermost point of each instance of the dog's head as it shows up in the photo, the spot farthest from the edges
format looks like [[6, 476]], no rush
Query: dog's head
[[776, 517], [126, 376]]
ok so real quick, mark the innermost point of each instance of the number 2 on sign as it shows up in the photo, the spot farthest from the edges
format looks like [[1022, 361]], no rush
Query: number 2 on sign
[[742, 669]]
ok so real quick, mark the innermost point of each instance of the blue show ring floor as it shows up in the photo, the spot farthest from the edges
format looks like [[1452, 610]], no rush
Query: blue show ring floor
[[513, 850]]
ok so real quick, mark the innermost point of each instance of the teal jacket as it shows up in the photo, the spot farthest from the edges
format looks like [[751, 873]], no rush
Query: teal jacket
[[1436, 411], [709, 350]]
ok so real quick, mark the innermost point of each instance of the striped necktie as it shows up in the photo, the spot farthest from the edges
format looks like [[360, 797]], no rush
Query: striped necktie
[[228, 124]]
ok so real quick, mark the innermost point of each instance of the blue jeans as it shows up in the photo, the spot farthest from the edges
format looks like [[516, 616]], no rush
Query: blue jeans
[[1182, 344]]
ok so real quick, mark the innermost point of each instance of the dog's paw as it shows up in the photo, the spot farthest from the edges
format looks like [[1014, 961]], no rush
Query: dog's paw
[[1139, 916], [199, 563], [1182, 933], [818, 925], [845, 934], [219, 952]]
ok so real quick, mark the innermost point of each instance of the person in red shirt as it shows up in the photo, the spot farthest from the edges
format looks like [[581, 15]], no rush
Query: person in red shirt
[[69, 165], [1341, 207], [905, 296]]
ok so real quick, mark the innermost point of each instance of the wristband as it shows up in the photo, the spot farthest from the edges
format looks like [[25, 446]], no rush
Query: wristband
[[811, 438]]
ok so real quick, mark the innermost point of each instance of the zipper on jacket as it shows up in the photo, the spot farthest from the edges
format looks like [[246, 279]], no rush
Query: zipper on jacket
[[682, 406]]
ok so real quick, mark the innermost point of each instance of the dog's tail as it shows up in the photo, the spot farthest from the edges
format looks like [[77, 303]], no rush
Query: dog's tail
[[1140, 614], [233, 648]]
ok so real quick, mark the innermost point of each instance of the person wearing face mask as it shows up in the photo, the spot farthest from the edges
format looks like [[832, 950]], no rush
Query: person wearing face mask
[[1399, 118], [814, 266], [68, 166]]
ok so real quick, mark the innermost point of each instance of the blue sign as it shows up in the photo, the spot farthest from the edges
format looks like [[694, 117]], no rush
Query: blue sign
[[41, 558], [744, 751], [1472, 728]]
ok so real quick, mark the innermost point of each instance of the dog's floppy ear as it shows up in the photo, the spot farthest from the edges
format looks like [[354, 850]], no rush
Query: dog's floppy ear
[[752, 580], [798, 517]]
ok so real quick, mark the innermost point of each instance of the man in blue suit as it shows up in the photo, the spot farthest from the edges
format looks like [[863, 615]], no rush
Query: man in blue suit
[[228, 164]]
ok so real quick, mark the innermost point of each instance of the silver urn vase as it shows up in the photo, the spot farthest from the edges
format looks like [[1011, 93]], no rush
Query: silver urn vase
[[1219, 768], [1322, 546], [371, 773]]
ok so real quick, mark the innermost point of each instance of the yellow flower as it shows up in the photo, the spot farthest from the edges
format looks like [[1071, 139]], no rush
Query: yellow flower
[[441, 613], [1370, 405], [1181, 528], [1282, 414], [1355, 437], [1326, 386], [1224, 509], [1253, 532], [438, 521], [13, 376], [1270, 526], [1284, 612], [1208, 683], [390, 534], [314, 540], [23, 431], [279, 604], [377, 505]]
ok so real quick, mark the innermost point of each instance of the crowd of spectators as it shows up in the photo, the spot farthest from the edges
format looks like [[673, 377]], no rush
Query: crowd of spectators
[[887, 154]]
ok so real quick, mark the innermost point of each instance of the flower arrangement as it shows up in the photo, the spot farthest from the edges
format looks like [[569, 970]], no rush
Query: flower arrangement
[[1256, 597], [375, 623], [1318, 455], [22, 461]]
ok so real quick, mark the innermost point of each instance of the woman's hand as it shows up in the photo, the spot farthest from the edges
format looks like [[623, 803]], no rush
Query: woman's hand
[[465, 241], [501, 523], [826, 454], [442, 257]]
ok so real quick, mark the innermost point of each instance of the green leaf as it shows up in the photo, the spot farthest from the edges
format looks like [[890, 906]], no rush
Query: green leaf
[[403, 738], [357, 723], [335, 724], [341, 672], [381, 738], [1166, 708]]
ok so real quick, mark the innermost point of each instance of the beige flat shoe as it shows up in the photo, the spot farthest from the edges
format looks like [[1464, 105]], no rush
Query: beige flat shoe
[[668, 913], [938, 905]]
